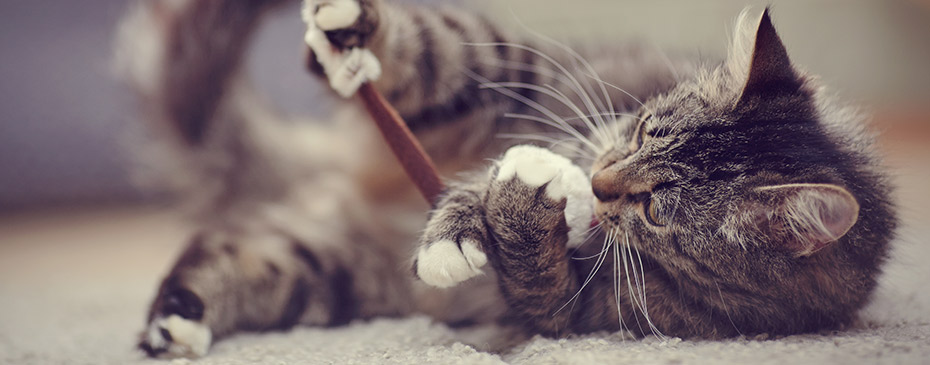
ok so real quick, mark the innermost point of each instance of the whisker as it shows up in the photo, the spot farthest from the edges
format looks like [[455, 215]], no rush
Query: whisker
[[591, 274], [629, 284], [726, 309], [554, 121], [616, 287], [598, 128], [645, 308], [620, 90], [577, 57], [551, 92], [595, 130], [605, 114], [586, 99], [553, 143], [668, 62], [574, 133], [589, 234]]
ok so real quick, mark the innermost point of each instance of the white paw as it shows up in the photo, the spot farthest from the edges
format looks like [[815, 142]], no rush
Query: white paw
[[335, 14], [535, 166], [442, 264], [346, 69], [186, 338]]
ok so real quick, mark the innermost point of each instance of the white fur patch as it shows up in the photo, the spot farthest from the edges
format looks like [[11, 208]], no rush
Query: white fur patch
[[188, 338], [442, 264], [346, 69], [337, 14], [535, 166]]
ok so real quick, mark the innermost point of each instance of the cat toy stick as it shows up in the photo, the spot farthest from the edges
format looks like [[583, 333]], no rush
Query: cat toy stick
[[353, 69], [416, 163]]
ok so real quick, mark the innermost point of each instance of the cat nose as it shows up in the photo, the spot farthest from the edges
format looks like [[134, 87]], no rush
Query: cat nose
[[606, 185]]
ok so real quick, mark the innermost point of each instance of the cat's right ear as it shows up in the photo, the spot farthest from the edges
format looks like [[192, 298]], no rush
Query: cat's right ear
[[803, 218], [759, 58]]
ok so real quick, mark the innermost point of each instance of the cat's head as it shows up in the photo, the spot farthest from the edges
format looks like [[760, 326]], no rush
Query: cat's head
[[743, 175]]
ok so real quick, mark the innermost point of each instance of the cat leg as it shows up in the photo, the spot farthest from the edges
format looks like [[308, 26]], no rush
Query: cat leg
[[269, 196], [230, 280], [450, 248], [518, 213], [526, 212]]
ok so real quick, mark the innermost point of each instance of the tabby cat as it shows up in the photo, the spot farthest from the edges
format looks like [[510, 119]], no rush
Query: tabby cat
[[724, 198]]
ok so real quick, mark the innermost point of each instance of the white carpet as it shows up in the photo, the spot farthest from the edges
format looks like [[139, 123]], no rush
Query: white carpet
[[75, 286]]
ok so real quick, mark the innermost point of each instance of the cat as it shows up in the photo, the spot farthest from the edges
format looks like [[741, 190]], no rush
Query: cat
[[731, 197]]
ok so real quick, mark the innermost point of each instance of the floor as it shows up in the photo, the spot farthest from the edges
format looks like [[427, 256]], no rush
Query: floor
[[75, 284]]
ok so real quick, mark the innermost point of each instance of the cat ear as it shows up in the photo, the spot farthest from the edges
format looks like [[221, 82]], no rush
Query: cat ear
[[768, 66], [808, 217]]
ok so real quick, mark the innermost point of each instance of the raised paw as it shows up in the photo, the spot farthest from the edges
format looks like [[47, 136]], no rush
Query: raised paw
[[446, 263], [534, 168], [337, 32]]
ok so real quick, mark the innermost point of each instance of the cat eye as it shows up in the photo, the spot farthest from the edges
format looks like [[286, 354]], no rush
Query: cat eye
[[650, 210]]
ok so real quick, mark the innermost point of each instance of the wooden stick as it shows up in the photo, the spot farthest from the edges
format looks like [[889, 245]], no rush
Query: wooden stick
[[403, 143]]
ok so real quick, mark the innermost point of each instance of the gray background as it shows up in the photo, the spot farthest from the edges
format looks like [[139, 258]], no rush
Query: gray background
[[65, 122]]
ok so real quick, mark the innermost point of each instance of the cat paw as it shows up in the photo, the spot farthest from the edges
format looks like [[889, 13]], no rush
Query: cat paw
[[445, 263], [536, 167], [336, 14], [175, 336], [337, 31], [176, 330]]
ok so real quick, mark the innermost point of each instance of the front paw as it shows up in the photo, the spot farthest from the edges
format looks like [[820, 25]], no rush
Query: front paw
[[445, 263], [526, 171], [337, 32], [175, 328]]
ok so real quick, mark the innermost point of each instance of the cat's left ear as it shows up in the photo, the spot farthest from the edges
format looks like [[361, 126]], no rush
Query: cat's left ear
[[806, 217], [768, 68]]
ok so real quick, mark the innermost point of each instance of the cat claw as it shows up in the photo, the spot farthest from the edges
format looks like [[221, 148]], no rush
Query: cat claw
[[444, 263]]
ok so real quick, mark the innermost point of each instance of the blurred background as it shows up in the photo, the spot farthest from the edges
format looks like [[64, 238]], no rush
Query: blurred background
[[66, 125]]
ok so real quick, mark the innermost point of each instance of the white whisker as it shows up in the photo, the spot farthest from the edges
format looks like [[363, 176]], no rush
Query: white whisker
[[586, 99], [553, 93], [599, 128], [594, 270], [634, 300], [586, 118], [577, 57], [606, 114], [554, 120], [572, 132], [620, 90], [726, 308], [668, 62], [589, 234], [642, 279], [553, 143]]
